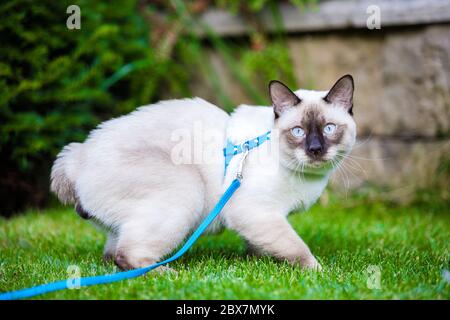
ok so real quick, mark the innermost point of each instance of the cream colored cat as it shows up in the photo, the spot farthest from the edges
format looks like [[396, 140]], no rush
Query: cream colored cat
[[150, 177]]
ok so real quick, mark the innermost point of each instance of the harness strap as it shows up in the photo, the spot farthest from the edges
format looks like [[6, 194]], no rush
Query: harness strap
[[231, 149]]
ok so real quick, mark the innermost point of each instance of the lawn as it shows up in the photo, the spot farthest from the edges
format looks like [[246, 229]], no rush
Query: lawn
[[355, 240]]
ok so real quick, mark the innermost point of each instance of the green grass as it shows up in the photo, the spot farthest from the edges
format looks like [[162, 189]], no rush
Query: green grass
[[409, 244]]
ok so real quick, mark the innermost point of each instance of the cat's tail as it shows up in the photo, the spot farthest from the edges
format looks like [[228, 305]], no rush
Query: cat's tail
[[64, 172]]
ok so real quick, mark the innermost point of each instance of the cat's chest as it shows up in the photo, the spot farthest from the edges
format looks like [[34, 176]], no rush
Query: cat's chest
[[305, 192], [297, 192], [284, 192]]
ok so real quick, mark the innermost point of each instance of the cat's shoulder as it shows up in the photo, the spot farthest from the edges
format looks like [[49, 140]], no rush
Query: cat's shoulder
[[247, 122]]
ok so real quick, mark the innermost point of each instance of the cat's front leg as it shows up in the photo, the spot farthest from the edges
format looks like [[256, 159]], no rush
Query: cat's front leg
[[271, 233]]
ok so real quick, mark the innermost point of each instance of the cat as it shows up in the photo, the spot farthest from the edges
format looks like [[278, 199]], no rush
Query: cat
[[136, 175]]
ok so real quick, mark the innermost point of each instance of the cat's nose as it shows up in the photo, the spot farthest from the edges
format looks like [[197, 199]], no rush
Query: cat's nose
[[315, 148]]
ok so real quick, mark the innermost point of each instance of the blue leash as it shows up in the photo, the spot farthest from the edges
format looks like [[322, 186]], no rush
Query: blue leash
[[109, 278]]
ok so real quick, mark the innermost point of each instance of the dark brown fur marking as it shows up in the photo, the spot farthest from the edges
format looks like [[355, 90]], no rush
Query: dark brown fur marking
[[81, 212], [121, 261], [313, 123]]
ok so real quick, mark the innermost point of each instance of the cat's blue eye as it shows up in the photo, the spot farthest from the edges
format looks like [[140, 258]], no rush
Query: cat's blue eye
[[297, 132], [329, 128]]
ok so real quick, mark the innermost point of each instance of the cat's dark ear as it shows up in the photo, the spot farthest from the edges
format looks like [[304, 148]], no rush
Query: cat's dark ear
[[341, 93], [282, 97]]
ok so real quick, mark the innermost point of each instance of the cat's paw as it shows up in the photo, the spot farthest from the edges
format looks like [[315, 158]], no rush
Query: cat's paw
[[311, 263], [127, 263], [130, 262], [164, 269], [108, 257]]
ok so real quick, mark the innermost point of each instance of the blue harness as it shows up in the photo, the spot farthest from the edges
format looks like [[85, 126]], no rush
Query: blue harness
[[229, 152]]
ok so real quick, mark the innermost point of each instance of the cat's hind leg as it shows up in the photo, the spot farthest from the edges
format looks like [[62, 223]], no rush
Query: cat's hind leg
[[152, 205], [145, 240], [158, 222], [109, 250]]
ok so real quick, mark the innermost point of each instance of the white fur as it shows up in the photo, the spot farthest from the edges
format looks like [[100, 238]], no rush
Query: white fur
[[124, 177]]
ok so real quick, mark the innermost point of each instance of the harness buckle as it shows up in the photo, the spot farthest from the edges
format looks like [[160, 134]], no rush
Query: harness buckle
[[245, 147]]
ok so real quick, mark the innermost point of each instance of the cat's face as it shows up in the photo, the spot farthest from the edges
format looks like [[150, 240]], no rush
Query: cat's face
[[316, 129]]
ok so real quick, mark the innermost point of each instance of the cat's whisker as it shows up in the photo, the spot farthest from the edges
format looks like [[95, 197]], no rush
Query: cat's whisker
[[352, 163], [364, 158], [359, 144], [345, 176], [297, 166], [351, 169], [292, 164], [351, 160], [303, 169], [344, 164], [341, 174], [338, 170]]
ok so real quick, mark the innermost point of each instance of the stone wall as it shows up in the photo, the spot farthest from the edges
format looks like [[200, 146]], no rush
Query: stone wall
[[402, 97]]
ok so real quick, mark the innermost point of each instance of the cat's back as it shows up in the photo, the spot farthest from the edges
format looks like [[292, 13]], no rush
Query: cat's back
[[160, 120], [154, 126], [181, 113]]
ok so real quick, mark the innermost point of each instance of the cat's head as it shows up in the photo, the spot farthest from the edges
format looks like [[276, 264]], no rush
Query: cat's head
[[316, 128]]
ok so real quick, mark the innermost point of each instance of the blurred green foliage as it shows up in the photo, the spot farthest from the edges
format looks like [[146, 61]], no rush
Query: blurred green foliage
[[52, 78], [57, 84], [51, 81]]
